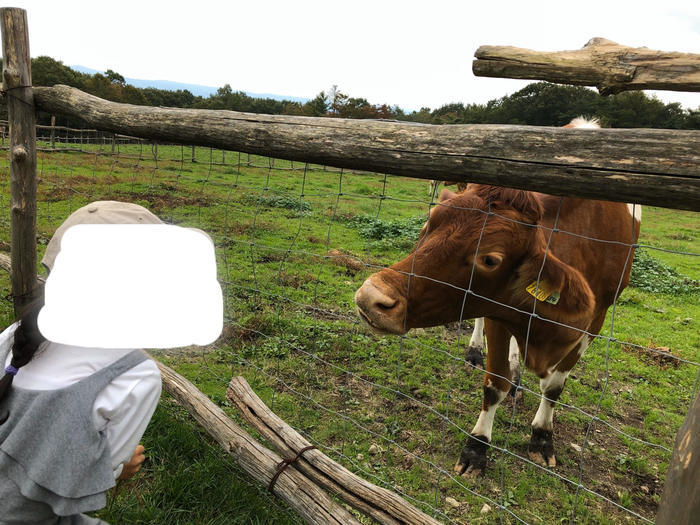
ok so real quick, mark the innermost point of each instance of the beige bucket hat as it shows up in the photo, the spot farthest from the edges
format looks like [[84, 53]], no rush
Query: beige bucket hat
[[98, 212]]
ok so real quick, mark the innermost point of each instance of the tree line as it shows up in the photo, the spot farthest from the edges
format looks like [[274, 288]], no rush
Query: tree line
[[539, 103]]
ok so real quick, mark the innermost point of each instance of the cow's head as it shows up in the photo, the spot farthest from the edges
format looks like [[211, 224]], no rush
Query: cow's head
[[486, 240]]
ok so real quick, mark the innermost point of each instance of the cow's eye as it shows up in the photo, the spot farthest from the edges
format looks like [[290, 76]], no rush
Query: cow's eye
[[491, 261]]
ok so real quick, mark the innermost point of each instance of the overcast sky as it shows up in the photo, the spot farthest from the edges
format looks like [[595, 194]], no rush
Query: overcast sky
[[408, 53]]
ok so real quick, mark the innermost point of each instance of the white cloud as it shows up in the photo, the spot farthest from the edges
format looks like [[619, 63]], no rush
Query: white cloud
[[405, 53]]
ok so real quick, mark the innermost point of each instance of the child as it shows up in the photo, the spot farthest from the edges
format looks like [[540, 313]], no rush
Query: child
[[70, 417]]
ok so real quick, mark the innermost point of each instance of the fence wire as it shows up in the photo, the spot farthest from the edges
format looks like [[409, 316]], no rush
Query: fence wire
[[295, 240]]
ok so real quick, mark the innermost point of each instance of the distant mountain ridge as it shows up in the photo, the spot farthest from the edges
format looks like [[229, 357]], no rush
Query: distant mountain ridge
[[195, 89]]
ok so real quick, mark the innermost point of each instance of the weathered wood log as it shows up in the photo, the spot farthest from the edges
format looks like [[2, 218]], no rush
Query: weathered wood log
[[656, 167], [382, 505], [610, 67], [681, 497], [17, 82], [310, 502]]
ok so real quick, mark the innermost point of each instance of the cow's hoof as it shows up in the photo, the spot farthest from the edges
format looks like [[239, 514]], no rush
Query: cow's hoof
[[515, 392], [541, 448], [472, 462], [475, 356]]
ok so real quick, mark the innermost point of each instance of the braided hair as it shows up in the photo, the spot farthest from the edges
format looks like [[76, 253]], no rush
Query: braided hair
[[27, 339]]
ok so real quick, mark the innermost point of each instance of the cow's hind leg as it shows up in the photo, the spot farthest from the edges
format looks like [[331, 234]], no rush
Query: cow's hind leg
[[496, 385], [514, 364], [475, 352]]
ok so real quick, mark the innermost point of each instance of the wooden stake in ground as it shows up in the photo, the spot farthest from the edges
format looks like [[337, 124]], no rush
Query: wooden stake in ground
[[681, 497], [17, 89], [610, 67]]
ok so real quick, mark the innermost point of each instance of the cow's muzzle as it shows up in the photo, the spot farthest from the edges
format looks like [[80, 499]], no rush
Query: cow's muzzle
[[380, 307]]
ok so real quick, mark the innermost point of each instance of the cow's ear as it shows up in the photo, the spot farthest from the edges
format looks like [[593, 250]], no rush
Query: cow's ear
[[559, 288], [446, 194]]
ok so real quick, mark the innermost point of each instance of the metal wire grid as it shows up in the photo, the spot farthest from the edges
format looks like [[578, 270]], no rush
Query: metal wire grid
[[145, 157]]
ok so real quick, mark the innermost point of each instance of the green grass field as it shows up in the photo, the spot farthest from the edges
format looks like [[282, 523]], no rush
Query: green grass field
[[293, 246]]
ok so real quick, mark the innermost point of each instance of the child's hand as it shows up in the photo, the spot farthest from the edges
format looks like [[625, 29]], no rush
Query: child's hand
[[134, 464]]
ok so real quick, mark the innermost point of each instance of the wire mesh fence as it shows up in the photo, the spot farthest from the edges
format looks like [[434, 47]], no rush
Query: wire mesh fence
[[294, 242]]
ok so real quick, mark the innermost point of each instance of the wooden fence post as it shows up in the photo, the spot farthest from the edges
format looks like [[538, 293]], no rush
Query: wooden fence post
[[681, 496], [53, 131], [17, 82]]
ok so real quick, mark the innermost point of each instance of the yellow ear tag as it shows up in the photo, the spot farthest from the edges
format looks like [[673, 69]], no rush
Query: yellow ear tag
[[544, 292]]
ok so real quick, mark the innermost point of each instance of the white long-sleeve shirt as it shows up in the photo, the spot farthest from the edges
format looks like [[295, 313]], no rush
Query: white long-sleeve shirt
[[122, 410]]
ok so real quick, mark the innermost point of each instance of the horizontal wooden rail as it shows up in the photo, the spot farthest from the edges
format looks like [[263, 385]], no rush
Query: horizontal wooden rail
[[610, 67], [655, 167]]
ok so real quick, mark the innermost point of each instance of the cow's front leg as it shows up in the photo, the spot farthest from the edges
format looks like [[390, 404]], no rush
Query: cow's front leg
[[475, 352], [541, 448], [473, 458]]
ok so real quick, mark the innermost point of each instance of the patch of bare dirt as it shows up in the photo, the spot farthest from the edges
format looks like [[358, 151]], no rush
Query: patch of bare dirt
[[347, 260], [159, 203], [607, 465], [661, 356]]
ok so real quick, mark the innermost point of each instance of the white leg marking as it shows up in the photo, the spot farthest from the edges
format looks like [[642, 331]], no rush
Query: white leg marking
[[484, 424], [431, 186], [635, 211], [583, 345], [514, 359], [477, 338], [543, 417]]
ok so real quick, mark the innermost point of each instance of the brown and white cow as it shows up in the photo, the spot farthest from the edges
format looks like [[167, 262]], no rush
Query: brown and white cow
[[475, 351], [478, 256]]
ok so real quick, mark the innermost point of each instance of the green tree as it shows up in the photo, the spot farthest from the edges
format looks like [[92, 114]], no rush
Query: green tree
[[115, 77], [318, 106], [48, 72]]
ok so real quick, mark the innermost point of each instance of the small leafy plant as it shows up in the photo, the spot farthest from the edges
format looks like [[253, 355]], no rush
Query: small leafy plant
[[650, 274]]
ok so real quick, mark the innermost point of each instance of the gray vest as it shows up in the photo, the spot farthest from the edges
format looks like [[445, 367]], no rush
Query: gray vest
[[52, 460]]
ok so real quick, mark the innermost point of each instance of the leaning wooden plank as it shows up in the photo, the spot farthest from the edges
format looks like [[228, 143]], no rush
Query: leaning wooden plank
[[656, 167], [610, 67], [308, 500], [383, 505]]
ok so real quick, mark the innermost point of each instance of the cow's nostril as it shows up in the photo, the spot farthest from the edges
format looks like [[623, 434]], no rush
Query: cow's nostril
[[386, 305]]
